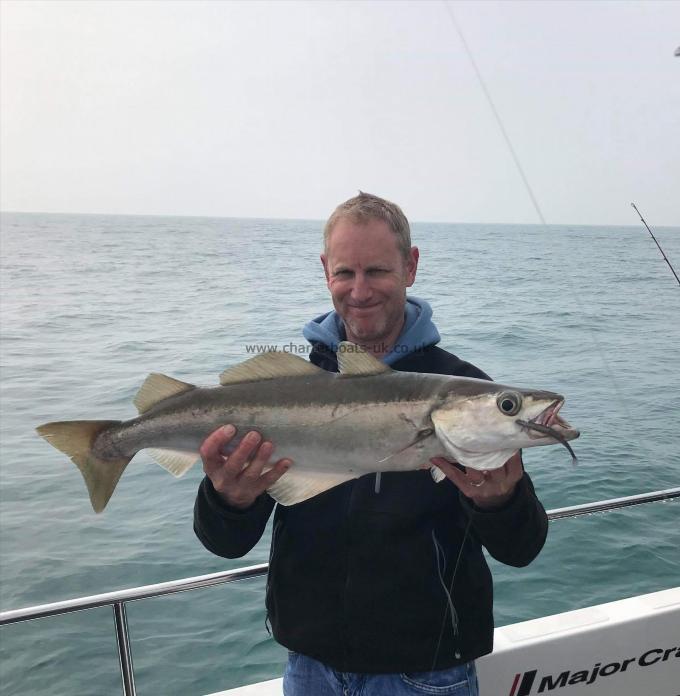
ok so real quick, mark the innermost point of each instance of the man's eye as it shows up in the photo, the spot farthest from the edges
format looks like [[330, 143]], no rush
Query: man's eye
[[343, 274], [378, 271]]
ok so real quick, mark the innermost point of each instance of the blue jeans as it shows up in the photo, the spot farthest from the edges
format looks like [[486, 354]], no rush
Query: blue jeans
[[307, 677]]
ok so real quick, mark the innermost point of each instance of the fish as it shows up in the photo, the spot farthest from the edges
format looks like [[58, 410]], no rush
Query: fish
[[367, 418]]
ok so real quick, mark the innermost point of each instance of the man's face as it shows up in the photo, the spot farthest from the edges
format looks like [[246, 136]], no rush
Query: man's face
[[367, 276]]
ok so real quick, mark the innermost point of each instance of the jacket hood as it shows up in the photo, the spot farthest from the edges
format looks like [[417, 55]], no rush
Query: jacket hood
[[419, 331]]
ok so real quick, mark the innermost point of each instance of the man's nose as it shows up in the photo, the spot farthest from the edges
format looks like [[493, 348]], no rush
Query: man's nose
[[361, 288]]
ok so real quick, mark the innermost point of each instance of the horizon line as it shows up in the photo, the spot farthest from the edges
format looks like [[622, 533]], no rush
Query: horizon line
[[322, 220]]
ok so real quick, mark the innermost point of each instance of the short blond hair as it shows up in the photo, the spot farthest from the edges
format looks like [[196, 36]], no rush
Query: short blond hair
[[365, 207]]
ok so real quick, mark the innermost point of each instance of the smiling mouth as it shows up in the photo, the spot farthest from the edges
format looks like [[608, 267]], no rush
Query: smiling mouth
[[363, 308]]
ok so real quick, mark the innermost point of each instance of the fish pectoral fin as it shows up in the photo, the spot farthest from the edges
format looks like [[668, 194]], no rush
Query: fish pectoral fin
[[295, 487], [157, 388], [176, 462], [420, 436], [268, 366], [354, 360]]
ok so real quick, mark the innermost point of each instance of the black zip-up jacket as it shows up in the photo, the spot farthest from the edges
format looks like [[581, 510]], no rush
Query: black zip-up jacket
[[356, 579]]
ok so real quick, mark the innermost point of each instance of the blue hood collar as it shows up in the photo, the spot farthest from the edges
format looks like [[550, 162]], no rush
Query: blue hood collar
[[419, 330]]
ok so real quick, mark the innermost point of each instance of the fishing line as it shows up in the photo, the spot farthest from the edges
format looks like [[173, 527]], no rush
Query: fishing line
[[533, 198], [441, 569], [448, 591], [657, 243]]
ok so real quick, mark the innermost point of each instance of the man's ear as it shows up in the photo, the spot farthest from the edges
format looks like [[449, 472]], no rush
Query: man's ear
[[412, 266], [324, 263]]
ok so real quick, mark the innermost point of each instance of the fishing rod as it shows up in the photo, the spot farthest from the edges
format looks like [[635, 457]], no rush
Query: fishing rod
[[534, 201], [657, 243]]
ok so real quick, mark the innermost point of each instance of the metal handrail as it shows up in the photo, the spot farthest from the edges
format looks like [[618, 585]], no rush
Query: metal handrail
[[118, 598], [612, 504], [134, 593]]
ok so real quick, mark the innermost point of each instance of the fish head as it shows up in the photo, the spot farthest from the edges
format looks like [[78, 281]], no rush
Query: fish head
[[482, 425]]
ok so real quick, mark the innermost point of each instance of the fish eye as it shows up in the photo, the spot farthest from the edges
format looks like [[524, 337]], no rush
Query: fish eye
[[509, 403]]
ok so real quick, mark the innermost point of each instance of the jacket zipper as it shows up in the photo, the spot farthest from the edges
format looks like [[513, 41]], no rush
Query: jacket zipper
[[348, 545]]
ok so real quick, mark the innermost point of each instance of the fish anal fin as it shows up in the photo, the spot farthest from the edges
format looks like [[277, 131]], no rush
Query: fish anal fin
[[354, 360], [268, 366], [156, 388], [177, 462], [297, 486]]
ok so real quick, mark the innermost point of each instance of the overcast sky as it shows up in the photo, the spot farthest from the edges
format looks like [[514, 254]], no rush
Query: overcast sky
[[284, 109]]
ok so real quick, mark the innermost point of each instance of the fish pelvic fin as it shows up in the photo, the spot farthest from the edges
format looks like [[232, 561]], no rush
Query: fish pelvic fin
[[157, 388], [76, 440], [295, 487], [355, 360]]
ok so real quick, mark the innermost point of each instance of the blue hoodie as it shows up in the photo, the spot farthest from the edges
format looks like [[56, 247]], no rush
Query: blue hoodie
[[419, 330]]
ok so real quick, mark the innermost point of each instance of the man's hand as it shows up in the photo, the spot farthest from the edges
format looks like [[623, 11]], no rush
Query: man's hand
[[238, 478], [486, 489]]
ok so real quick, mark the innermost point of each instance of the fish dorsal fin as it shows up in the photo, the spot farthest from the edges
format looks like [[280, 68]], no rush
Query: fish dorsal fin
[[268, 366], [354, 360], [156, 388]]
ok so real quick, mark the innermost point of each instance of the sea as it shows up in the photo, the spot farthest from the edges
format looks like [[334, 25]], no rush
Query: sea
[[93, 303]]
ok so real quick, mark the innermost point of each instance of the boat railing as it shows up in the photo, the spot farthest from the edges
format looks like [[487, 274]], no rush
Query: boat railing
[[118, 599]]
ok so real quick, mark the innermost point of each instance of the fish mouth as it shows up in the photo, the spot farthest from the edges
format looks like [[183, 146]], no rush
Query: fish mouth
[[549, 424], [549, 418]]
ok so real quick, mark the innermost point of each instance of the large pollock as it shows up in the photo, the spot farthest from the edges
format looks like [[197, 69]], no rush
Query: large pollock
[[335, 427]]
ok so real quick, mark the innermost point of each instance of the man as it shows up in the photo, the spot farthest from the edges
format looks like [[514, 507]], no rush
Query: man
[[374, 593]]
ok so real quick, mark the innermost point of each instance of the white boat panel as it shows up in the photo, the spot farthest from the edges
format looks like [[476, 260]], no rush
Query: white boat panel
[[547, 625], [660, 600], [630, 647], [273, 687]]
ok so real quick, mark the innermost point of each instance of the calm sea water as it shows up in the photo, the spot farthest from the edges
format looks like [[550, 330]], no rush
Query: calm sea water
[[91, 304]]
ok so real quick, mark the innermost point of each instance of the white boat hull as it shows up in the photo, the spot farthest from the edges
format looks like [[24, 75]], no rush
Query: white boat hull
[[626, 648]]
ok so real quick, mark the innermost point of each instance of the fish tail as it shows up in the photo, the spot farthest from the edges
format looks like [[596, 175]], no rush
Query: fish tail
[[76, 439]]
